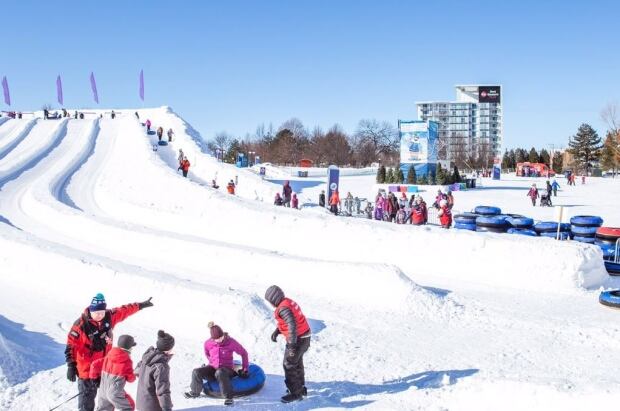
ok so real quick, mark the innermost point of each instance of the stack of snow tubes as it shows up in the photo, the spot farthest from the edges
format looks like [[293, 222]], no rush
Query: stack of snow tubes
[[490, 219], [465, 221], [583, 227], [606, 239], [521, 225], [550, 229]]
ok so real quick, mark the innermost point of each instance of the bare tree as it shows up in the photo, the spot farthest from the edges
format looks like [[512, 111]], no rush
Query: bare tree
[[220, 143], [382, 136], [611, 115]]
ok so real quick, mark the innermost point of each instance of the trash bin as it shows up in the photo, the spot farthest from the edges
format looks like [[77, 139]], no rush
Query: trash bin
[[473, 183], [468, 183]]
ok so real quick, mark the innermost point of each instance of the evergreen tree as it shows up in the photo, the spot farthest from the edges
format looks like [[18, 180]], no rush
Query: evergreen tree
[[381, 175], [585, 147], [545, 157], [411, 177], [533, 156], [512, 160], [610, 154], [506, 161], [423, 180], [400, 177], [432, 179], [389, 176], [558, 162], [456, 176], [521, 155], [442, 177]]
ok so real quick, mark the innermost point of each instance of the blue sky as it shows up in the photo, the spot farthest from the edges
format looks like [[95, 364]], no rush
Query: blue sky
[[231, 65]]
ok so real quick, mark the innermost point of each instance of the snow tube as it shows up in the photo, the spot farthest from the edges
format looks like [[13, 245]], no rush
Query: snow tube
[[608, 233], [522, 231], [612, 268], [465, 226], [492, 220], [151, 133], [587, 221], [465, 218], [583, 231], [608, 249], [520, 222], [241, 386], [589, 240], [162, 143], [487, 210], [610, 298], [495, 229], [550, 226], [564, 235]]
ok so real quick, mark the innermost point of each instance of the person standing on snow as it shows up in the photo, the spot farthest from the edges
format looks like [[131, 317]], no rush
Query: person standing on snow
[[113, 115], [184, 166], [90, 339], [148, 125], [417, 213], [278, 200], [170, 133], [549, 189], [114, 371], [181, 156], [295, 201], [533, 194], [286, 194], [445, 215], [334, 202], [219, 350], [154, 375], [160, 132], [554, 187], [231, 187], [293, 325], [322, 199]]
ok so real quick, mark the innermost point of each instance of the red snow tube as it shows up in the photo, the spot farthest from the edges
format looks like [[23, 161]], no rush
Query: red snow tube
[[608, 233]]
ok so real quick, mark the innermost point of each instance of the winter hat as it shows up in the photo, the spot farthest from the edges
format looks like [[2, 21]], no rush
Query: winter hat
[[215, 330], [443, 203], [165, 342], [274, 295], [126, 342], [97, 303]]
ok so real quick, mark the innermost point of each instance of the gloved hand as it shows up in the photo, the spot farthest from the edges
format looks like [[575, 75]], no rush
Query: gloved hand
[[145, 304], [97, 382], [71, 372], [243, 374], [274, 335], [291, 350]]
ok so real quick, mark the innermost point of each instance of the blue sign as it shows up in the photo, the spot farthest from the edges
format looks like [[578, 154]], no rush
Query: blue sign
[[333, 175]]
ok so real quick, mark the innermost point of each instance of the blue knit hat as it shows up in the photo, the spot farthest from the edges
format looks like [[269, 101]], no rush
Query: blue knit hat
[[98, 303]]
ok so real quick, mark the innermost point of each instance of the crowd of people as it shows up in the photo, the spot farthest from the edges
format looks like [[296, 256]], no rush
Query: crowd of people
[[102, 370], [287, 198]]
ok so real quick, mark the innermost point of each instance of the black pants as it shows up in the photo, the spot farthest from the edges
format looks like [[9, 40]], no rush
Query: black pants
[[294, 374], [222, 375], [555, 192], [88, 392], [334, 209], [185, 173]]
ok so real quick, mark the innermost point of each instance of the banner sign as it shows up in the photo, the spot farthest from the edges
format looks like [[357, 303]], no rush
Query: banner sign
[[418, 141], [59, 90], [489, 94], [333, 175], [5, 88], [93, 86], [142, 85]]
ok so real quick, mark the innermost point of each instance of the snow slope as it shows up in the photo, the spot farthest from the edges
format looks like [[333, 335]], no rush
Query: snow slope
[[402, 317]]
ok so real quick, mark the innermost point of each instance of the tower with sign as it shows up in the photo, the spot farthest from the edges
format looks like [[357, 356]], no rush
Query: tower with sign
[[418, 146]]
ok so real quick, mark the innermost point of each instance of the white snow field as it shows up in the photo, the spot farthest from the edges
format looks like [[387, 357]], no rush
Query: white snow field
[[403, 317]]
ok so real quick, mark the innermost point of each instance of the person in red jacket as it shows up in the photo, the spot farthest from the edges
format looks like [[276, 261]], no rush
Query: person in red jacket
[[90, 339], [417, 213], [114, 371], [334, 202], [293, 325], [184, 165], [445, 215]]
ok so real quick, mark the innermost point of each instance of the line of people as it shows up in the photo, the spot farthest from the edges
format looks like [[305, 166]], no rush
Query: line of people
[[101, 370], [288, 198]]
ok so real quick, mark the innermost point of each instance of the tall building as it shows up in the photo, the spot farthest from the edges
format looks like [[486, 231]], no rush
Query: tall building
[[470, 128]]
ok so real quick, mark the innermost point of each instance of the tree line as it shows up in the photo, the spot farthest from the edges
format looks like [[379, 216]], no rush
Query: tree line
[[520, 155], [440, 177]]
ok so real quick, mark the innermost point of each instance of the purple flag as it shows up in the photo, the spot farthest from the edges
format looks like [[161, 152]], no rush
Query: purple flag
[[93, 86], [142, 84], [59, 90], [5, 87]]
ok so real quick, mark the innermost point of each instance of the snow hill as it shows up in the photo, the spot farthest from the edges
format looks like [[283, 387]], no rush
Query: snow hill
[[403, 317]]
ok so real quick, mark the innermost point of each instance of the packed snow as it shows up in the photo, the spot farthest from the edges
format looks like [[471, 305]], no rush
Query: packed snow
[[403, 317]]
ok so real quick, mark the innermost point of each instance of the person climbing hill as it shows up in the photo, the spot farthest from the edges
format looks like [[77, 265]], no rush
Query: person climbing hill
[[115, 371]]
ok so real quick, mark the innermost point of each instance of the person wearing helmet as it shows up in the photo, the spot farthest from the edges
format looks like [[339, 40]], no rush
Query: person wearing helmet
[[293, 325]]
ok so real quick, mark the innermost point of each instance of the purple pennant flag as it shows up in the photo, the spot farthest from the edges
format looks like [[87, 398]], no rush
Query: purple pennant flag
[[5, 87], [142, 84], [93, 86], [59, 90]]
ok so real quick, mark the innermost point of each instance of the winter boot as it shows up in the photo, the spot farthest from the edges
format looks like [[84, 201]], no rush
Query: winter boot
[[291, 397], [304, 391], [228, 401], [190, 394]]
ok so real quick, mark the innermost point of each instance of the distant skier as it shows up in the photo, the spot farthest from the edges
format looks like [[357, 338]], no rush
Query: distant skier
[[293, 325], [322, 199], [278, 200], [295, 201], [90, 339], [170, 133], [286, 194], [160, 132], [445, 215], [230, 187], [148, 125], [219, 350], [533, 194], [113, 372], [184, 166], [154, 375], [555, 187]]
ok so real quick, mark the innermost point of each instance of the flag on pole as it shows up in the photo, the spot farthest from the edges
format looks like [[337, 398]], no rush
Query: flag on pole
[[93, 86], [142, 85], [59, 90], [5, 87]]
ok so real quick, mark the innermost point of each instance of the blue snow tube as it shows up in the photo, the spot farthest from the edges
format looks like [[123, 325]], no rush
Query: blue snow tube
[[162, 143], [550, 226], [495, 229], [492, 220], [465, 226], [522, 231], [589, 240], [610, 298], [465, 218], [608, 250], [240, 386], [487, 210], [612, 268], [587, 221], [583, 231], [564, 235], [520, 222]]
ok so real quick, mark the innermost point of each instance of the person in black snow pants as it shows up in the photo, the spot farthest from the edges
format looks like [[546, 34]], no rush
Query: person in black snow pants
[[322, 199]]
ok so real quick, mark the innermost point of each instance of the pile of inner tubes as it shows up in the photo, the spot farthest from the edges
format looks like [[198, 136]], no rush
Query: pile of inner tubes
[[240, 386], [496, 223], [550, 229], [487, 210], [465, 221], [606, 238], [610, 298], [583, 228], [607, 234]]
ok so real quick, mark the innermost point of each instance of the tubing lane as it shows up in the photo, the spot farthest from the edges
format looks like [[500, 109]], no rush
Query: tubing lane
[[21, 135]]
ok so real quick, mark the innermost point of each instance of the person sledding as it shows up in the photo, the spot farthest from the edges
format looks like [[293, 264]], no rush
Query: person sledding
[[154, 375], [292, 324], [219, 350], [90, 339], [113, 372]]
